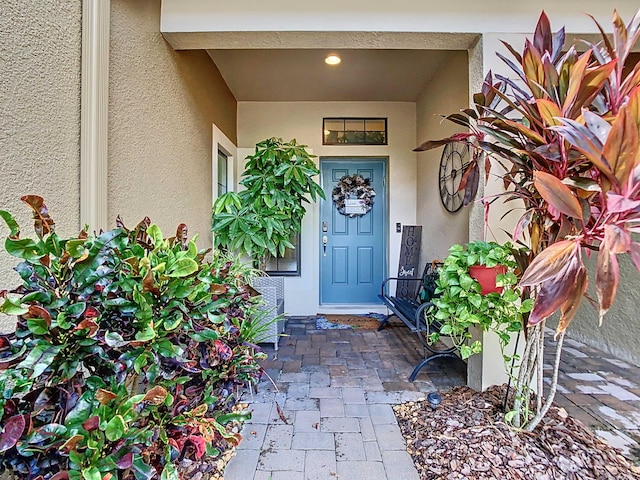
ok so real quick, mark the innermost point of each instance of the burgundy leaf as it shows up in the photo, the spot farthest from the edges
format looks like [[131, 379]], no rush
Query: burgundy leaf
[[60, 476], [550, 262], [616, 239], [542, 38], [91, 312], [471, 178], [553, 293], [91, 423], [570, 306], [12, 431], [42, 222], [126, 461], [431, 144], [557, 194], [607, 277], [522, 224]]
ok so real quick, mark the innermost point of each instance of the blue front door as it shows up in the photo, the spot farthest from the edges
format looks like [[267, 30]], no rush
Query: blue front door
[[352, 247]]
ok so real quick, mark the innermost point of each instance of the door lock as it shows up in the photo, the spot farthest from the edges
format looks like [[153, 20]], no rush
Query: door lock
[[325, 226], [324, 245]]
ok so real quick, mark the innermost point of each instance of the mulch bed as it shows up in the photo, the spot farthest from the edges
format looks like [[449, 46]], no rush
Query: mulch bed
[[466, 438]]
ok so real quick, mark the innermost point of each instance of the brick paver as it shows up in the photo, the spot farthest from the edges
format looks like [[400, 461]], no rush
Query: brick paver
[[335, 389]]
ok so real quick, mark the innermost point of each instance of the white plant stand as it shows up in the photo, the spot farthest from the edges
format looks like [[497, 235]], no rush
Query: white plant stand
[[272, 291]]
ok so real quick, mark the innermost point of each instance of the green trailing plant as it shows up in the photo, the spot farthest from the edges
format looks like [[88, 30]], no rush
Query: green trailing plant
[[128, 350], [460, 305], [261, 220], [566, 133]]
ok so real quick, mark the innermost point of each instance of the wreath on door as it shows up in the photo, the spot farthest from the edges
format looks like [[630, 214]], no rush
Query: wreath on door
[[353, 195]]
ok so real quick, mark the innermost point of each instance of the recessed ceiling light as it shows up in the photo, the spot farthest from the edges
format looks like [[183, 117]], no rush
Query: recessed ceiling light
[[332, 59]]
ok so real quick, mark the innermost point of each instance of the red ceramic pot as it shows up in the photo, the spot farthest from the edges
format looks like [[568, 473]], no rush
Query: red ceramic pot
[[486, 277]]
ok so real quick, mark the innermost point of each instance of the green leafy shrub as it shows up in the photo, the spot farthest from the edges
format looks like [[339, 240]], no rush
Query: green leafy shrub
[[261, 220], [460, 304], [127, 352]]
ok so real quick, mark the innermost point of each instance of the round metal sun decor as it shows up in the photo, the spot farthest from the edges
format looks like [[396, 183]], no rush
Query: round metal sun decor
[[353, 195]]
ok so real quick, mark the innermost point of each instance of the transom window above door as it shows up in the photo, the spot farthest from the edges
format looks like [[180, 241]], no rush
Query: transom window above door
[[354, 131]]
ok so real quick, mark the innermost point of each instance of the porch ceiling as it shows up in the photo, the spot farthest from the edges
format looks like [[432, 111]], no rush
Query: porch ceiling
[[295, 75]]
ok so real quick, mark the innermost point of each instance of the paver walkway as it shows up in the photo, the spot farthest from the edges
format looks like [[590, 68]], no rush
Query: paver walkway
[[335, 388]]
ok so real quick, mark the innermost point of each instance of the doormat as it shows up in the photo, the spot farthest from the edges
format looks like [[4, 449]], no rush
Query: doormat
[[369, 321]]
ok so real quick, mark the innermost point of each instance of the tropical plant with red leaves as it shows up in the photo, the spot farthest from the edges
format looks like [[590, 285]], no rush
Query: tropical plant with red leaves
[[128, 352], [566, 134]]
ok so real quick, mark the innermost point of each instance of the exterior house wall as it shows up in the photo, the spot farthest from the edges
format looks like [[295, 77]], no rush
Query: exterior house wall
[[198, 16], [447, 92], [40, 44], [162, 105], [303, 121]]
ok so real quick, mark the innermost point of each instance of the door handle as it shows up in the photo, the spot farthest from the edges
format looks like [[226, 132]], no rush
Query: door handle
[[324, 245]]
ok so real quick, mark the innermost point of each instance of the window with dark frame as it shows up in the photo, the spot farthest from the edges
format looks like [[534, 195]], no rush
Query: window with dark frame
[[354, 131], [287, 265], [223, 172]]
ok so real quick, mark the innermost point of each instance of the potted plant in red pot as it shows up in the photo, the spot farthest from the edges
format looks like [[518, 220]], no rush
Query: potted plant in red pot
[[462, 302], [486, 261]]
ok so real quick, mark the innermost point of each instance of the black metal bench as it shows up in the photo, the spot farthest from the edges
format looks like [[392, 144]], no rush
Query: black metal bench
[[411, 310]]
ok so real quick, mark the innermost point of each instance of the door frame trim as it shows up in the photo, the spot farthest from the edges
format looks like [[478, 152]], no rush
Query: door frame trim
[[384, 159]]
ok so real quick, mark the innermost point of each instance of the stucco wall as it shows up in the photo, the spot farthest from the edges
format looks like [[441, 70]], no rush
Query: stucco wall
[[303, 121], [40, 45], [447, 92], [161, 109], [400, 15]]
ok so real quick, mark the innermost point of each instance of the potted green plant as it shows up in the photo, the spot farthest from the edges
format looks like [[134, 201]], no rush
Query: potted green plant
[[261, 220], [462, 303]]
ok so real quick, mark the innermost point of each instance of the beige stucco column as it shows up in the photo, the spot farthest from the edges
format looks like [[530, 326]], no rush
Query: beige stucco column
[[488, 368], [94, 113]]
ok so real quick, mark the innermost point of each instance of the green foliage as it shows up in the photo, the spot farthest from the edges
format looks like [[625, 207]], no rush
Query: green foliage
[[261, 220], [127, 351], [460, 304]]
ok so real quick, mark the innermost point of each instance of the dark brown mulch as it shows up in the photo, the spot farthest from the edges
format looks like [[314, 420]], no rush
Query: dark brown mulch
[[466, 438]]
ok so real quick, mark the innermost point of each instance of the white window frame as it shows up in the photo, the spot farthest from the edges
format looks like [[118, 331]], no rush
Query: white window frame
[[221, 143]]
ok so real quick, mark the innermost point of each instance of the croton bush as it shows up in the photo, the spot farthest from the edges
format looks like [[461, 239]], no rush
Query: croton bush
[[127, 355]]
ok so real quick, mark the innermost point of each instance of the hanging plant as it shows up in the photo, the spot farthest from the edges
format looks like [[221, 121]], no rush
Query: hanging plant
[[353, 195]]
